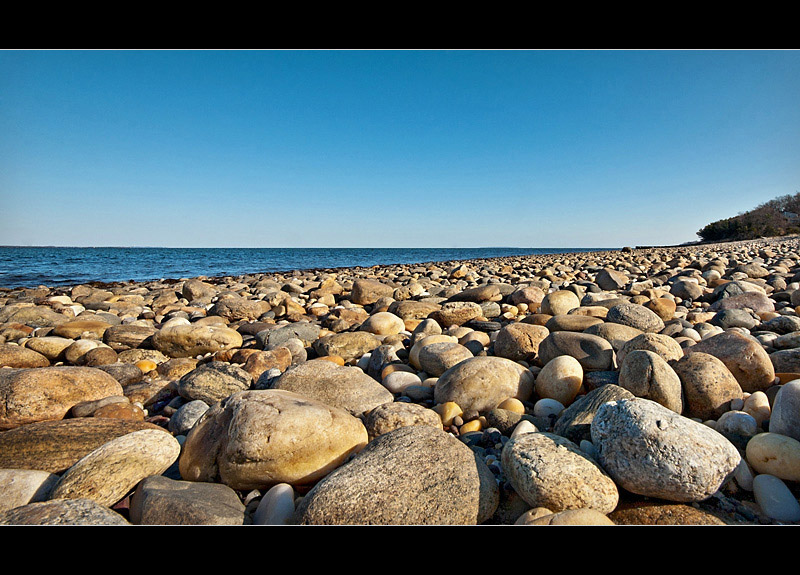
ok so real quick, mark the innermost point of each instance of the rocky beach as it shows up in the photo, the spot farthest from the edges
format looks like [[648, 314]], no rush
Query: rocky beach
[[644, 386]]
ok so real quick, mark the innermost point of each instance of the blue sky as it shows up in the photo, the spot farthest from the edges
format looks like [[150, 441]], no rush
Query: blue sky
[[390, 148]]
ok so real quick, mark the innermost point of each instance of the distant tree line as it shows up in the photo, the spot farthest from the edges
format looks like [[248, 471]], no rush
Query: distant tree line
[[778, 217]]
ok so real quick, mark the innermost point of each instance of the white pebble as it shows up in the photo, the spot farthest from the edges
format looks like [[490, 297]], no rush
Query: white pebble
[[545, 407], [276, 507], [524, 426]]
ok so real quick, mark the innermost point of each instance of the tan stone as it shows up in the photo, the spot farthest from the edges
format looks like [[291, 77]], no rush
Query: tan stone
[[258, 438]]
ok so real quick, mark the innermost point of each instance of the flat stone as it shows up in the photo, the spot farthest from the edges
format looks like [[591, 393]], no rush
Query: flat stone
[[54, 446], [160, 500], [344, 387], [575, 421], [194, 340], [112, 470], [593, 352], [72, 512], [21, 357]]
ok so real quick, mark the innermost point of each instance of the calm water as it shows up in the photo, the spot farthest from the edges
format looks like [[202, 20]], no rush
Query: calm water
[[53, 266]]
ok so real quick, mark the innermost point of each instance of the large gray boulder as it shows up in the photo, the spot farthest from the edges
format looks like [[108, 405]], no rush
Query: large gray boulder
[[652, 451]]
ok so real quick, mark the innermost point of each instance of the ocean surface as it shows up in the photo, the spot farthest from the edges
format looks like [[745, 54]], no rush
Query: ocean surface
[[55, 266]]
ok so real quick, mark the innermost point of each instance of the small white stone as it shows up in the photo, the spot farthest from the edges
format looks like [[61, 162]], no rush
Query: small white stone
[[276, 507], [545, 407], [524, 426], [775, 499]]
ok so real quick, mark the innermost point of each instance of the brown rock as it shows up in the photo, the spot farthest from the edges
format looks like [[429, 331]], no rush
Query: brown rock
[[55, 446], [47, 393]]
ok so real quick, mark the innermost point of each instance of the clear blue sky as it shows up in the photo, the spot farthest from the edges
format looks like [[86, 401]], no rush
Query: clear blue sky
[[390, 148]]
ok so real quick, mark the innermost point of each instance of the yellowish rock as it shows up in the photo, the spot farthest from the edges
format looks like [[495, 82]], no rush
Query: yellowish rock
[[774, 454], [473, 425], [757, 405], [338, 360], [560, 379], [448, 411], [146, 365], [512, 404]]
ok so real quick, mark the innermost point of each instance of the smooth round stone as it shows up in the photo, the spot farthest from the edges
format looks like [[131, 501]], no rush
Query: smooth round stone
[[737, 426], [775, 499], [52, 347], [75, 351], [285, 438], [345, 387], [181, 340], [774, 454], [436, 358], [448, 411], [480, 383], [744, 475], [160, 500], [559, 302], [18, 356], [560, 379], [383, 323], [276, 507], [413, 354], [615, 333], [547, 407], [48, 393], [593, 352], [414, 475], [187, 415], [512, 404], [785, 417], [758, 406], [399, 381]]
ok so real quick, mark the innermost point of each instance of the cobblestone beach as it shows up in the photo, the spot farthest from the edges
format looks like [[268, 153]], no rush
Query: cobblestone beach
[[645, 386]]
